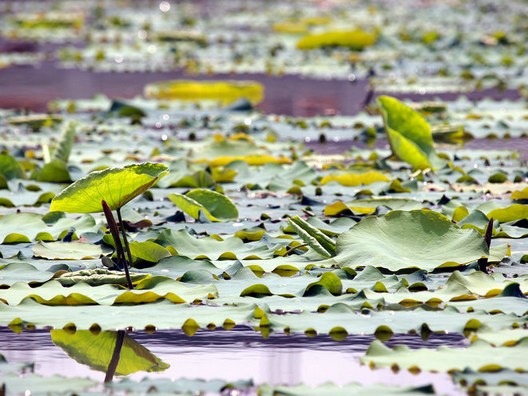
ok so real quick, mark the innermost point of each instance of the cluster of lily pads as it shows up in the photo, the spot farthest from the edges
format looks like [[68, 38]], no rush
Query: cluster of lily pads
[[227, 218], [434, 47]]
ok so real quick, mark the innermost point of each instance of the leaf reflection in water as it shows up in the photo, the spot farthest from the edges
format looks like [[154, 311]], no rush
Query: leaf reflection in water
[[112, 352]]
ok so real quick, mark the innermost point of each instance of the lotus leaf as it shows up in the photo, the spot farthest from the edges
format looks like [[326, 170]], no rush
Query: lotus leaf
[[409, 133], [179, 386], [356, 40], [161, 314], [9, 169], [215, 206], [348, 389], [35, 383], [69, 251], [213, 249], [116, 186], [415, 239], [510, 213], [355, 179], [223, 91], [451, 359]]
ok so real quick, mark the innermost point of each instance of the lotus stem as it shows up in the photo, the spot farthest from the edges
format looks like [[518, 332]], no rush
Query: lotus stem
[[123, 233], [483, 262], [112, 366], [114, 230]]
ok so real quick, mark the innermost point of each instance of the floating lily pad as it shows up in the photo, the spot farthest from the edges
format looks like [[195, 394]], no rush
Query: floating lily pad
[[416, 239]]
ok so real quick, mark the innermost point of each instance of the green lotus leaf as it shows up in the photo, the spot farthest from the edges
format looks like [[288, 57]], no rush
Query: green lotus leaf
[[55, 171], [409, 133], [369, 205], [520, 195], [9, 169], [355, 40], [22, 272], [450, 359], [506, 337], [415, 239], [65, 144], [182, 386], [355, 179], [358, 389], [47, 384], [69, 251], [25, 224], [328, 282], [162, 314], [148, 290], [148, 251], [95, 351], [341, 314], [116, 186], [258, 290], [215, 206], [199, 179], [211, 248], [519, 381], [510, 213]]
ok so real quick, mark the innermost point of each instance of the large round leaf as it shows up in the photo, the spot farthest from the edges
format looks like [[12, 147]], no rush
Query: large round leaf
[[95, 350], [215, 206], [116, 186], [414, 239]]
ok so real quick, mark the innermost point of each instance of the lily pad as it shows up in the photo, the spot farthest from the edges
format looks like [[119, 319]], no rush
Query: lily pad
[[415, 239]]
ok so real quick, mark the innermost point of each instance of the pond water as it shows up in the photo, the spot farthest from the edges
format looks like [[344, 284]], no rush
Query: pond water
[[241, 354]]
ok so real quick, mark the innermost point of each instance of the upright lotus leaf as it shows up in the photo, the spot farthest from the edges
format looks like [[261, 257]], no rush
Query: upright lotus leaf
[[409, 133], [215, 206], [95, 351], [116, 186], [65, 144], [313, 237], [55, 171], [9, 169], [416, 239]]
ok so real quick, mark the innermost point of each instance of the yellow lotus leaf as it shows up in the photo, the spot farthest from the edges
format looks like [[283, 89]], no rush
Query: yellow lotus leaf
[[355, 179]]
